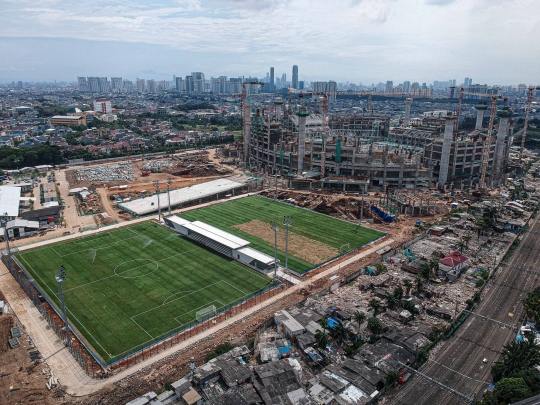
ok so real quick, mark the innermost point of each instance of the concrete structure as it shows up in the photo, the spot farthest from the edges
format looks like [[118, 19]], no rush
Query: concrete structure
[[447, 145], [481, 108], [294, 83], [102, 106], [68, 120], [501, 145], [408, 103], [302, 115]]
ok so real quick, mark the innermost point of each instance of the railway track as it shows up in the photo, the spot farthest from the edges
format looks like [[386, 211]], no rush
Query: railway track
[[459, 363]]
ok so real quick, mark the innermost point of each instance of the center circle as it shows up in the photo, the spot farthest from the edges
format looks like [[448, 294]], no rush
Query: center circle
[[136, 268]]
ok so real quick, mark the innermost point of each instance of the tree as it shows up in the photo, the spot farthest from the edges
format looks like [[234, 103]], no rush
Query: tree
[[461, 244], [322, 338], [375, 305], [516, 357], [510, 390], [398, 292], [359, 317], [375, 326], [381, 267], [392, 300], [391, 377], [341, 332], [467, 238], [419, 282], [408, 285], [532, 305], [425, 271]]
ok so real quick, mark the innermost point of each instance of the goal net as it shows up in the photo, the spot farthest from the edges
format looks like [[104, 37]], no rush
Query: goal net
[[205, 313]]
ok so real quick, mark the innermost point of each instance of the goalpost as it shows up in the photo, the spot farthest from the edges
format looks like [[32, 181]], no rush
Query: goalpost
[[205, 313]]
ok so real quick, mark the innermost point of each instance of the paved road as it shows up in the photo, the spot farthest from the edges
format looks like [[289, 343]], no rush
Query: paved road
[[458, 363]]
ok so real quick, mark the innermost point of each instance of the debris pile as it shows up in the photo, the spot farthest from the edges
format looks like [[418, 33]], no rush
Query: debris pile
[[112, 172], [154, 165]]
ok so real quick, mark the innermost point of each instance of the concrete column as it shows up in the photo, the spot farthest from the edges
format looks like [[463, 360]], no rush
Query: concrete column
[[446, 148], [247, 137], [500, 145], [479, 119], [302, 116], [385, 163], [407, 118], [401, 168]]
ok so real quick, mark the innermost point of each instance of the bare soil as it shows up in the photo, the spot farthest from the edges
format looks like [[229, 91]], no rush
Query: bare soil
[[309, 250]]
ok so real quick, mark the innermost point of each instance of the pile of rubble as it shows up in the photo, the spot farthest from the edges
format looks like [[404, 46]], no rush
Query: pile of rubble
[[112, 172], [158, 164]]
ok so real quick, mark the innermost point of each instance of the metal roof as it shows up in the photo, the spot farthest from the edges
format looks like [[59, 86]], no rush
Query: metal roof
[[215, 234], [259, 256], [10, 198]]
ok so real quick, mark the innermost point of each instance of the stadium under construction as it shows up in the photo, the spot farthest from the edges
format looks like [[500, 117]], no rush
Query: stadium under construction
[[352, 152]]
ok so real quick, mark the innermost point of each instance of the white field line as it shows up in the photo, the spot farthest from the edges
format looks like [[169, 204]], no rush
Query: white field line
[[134, 321], [37, 274], [253, 272], [198, 308], [243, 292], [82, 325], [179, 292], [92, 237]]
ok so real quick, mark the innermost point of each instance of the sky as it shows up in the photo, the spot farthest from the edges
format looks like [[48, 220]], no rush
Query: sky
[[359, 41]]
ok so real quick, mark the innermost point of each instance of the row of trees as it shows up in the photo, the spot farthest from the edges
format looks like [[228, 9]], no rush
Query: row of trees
[[514, 374]]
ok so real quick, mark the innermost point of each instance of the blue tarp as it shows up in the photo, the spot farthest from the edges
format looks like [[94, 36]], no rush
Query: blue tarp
[[382, 214], [331, 322]]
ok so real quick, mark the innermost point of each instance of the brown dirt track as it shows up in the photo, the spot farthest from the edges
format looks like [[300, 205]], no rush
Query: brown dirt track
[[309, 250]]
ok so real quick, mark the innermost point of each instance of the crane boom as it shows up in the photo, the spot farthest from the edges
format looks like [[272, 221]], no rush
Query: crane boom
[[529, 100], [487, 147]]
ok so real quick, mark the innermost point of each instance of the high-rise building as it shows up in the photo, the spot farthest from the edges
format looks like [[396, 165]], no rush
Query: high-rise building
[[223, 85], [82, 83], [189, 84], [406, 86], [214, 83], [141, 85], [295, 77], [104, 85], [271, 87], [301, 85], [127, 86], [329, 87], [151, 86], [389, 86], [116, 83], [180, 84], [198, 82], [93, 84]]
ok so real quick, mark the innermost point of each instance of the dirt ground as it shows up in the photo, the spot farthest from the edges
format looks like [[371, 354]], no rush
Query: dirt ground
[[309, 250], [22, 381]]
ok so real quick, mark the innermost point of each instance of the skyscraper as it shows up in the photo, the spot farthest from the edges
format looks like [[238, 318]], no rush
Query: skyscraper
[[189, 84], [141, 85], [295, 77], [389, 86], [116, 83], [198, 82], [271, 87], [406, 86]]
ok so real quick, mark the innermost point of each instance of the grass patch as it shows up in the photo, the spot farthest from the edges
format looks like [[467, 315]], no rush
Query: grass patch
[[129, 287]]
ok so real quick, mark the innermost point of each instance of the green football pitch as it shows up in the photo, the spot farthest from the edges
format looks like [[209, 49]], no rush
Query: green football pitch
[[313, 237], [128, 287]]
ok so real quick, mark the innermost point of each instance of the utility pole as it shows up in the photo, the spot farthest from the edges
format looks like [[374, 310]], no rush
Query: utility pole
[[362, 208], [275, 229], [156, 183], [60, 278], [169, 193], [287, 221]]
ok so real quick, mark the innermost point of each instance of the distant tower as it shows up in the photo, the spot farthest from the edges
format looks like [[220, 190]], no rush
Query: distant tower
[[481, 107], [271, 87], [295, 77]]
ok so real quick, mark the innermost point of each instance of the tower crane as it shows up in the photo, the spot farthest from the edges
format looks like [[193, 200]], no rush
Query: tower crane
[[526, 123]]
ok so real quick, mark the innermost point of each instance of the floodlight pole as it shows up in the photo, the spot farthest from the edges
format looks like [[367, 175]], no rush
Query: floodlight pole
[[276, 229], [362, 208], [169, 194], [287, 221], [60, 279], [156, 183]]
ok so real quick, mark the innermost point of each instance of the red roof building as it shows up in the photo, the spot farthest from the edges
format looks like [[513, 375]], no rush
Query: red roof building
[[452, 265]]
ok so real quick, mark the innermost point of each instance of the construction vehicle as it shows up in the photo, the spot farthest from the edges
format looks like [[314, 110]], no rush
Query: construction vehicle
[[145, 173]]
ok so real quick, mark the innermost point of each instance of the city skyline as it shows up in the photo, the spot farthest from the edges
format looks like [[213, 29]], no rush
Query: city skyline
[[365, 41]]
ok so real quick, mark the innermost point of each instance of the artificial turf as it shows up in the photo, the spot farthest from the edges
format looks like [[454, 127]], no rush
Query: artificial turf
[[313, 225], [128, 287]]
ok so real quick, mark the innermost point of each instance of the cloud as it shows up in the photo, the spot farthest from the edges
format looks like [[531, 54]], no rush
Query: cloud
[[439, 2], [248, 4], [376, 11]]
